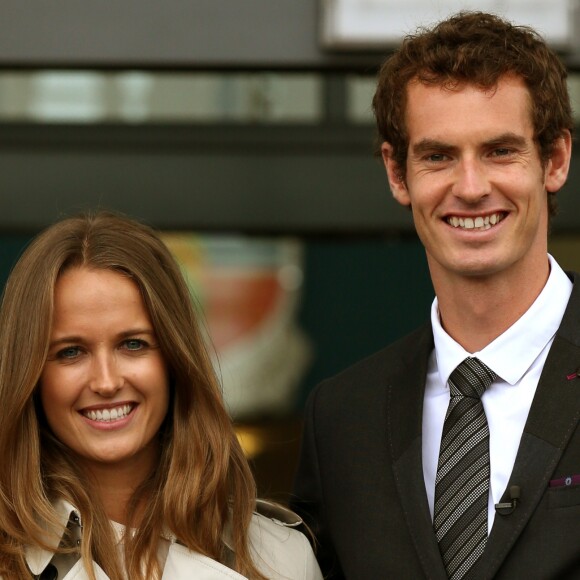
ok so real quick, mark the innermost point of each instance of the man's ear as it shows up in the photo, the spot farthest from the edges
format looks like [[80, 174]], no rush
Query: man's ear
[[559, 163], [395, 175]]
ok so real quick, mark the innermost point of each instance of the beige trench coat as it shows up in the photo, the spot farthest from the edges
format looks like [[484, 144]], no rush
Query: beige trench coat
[[279, 551]]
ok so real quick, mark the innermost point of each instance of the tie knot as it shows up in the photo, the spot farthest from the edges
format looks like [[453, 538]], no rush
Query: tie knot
[[471, 378]]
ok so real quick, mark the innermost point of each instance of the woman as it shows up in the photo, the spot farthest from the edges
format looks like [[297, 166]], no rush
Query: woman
[[119, 459]]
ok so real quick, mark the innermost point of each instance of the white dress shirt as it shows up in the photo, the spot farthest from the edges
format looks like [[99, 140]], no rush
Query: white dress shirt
[[517, 356]]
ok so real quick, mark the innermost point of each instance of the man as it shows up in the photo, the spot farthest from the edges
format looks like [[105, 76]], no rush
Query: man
[[395, 480]]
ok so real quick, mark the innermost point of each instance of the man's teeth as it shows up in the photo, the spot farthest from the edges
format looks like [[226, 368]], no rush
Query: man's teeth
[[107, 415], [478, 223]]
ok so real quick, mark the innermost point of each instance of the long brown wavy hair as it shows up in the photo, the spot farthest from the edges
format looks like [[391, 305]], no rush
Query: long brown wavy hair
[[202, 481]]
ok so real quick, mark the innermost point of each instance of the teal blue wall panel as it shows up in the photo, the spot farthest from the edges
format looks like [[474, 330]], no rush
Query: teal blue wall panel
[[360, 294]]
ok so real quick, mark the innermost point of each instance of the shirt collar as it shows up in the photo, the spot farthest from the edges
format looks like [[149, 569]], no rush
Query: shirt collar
[[512, 353]]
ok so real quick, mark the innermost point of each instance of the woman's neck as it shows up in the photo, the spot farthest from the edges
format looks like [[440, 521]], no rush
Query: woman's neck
[[116, 485]]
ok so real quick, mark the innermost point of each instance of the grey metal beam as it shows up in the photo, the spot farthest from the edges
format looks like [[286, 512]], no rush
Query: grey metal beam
[[255, 179], [259, 179], [198, 34]]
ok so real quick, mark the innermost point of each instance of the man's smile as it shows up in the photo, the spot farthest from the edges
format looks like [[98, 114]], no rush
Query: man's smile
[[476, 223]]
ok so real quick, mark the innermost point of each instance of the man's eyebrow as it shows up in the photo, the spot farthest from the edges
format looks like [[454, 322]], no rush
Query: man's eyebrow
[[428, 145], [508, 138]]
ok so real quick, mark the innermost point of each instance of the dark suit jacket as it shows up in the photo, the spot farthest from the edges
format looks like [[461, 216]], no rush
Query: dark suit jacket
[[360, 482]]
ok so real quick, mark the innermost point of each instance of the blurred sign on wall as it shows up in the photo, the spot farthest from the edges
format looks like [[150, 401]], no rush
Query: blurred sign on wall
[[374, 24], [249, 291]]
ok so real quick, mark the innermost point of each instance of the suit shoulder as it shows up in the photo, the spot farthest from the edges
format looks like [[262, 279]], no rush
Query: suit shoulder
[[377, 368], [390, 358]]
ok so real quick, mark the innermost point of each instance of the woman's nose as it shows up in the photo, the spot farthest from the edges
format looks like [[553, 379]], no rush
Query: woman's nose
[[106, 378]]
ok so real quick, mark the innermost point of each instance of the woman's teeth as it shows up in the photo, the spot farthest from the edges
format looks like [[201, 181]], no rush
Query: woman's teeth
[[107, 415]]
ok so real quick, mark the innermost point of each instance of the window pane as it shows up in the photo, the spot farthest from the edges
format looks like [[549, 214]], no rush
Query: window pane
[[135, 96]]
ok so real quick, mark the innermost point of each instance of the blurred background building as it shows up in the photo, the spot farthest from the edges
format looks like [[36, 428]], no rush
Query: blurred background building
[[242, 129]]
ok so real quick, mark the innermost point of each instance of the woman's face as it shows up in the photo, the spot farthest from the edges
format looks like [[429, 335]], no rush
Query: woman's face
[[104, 387]]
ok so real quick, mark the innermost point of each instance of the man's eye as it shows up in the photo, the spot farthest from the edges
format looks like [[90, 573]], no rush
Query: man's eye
[[134, 344], [502, 152], [69, 352], [436, 157]]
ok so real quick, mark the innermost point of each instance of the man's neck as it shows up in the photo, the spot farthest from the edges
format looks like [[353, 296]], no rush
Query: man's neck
[[475, 310]]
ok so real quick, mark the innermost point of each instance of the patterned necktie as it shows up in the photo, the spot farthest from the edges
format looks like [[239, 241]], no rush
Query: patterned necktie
[[462, 482]]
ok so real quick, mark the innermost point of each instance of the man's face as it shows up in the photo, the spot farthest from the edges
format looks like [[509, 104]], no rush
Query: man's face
[[474, 178]]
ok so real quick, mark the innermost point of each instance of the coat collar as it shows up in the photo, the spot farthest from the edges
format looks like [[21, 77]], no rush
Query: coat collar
[[38, 558]]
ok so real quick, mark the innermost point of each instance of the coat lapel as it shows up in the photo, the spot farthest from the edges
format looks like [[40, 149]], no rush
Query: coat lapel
[[78, 572], [552, 420], [183, 564], [405, 419]]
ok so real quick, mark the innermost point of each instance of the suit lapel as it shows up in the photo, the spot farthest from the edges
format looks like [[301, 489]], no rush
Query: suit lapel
[[405, 419], [552, 420]]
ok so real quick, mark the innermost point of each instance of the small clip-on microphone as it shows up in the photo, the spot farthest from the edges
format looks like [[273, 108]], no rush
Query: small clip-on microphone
[[507, 508]]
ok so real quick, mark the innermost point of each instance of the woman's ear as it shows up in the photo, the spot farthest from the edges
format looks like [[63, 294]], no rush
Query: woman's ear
[[559, 163], [395, 175]]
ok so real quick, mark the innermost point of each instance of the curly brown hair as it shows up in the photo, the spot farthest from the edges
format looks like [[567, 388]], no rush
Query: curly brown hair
[[475, 48]]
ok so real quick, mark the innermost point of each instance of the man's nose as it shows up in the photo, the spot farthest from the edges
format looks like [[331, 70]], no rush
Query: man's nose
[[471, 181], [106, 376]]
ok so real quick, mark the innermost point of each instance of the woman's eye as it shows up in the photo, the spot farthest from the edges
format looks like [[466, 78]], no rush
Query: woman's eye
[[134, 344], [69, 352]]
